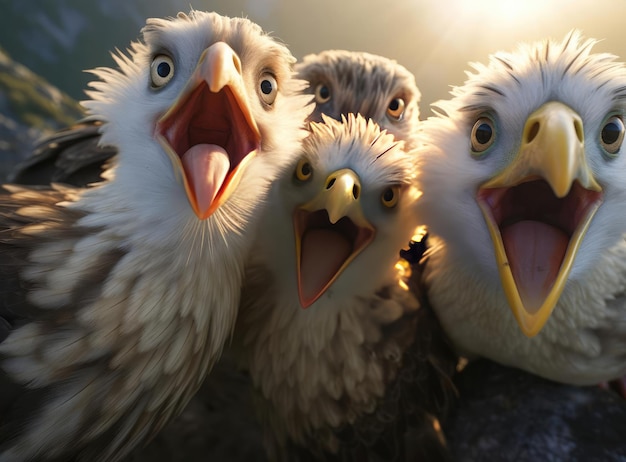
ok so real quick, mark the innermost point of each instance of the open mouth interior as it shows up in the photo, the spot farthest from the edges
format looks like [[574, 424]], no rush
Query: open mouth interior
[[536, 229], [211, 136], [326, 249]]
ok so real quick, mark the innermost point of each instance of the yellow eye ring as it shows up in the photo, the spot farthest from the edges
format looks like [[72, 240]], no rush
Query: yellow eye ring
[[483, 135], [268, 88], [390, 196], [612, 135], [322, 93], [304, 170], [395, 109]]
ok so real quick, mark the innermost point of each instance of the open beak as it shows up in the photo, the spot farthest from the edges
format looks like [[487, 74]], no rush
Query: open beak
[[538, 210], [330, 232], [209, 132]]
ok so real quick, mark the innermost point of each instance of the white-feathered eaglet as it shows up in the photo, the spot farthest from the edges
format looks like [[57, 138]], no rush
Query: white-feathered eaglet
[[327, 324], [117, 300], [522, 176]]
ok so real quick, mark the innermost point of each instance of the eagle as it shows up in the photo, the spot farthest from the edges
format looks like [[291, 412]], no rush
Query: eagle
[[345, 358], [377, 87], [524, 200], [116, 300], [340, 81]]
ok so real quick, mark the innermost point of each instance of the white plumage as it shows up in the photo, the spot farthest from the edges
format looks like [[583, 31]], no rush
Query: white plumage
[[131, 288], [327, 321], [527, 149]]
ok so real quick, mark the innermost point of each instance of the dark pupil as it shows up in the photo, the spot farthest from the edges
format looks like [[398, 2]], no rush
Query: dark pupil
[[388, 195], [266, 87], [394, 105], [306, 169], [483, 133], [610, 133], [163, 69], [324, 92]]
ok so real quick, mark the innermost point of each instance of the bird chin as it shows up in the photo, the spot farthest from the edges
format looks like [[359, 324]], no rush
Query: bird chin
[[324, 250], [208, 149], [536, 237]]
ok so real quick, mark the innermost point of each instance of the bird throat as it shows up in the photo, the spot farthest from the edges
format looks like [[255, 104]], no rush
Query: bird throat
[[324, 251]]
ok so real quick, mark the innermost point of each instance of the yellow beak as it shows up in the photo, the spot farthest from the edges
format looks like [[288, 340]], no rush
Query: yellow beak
[[552, 151], [330, 231]]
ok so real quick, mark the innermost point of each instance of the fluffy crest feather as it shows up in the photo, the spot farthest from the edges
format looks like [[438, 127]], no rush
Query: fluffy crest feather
[[383, 158]]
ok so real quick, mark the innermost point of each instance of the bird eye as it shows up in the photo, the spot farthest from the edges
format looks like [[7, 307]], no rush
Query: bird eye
[[322, 93], [483, 135], [304, 171], [161, 70], [390, 196], [268, 88], [612, 135], [395, 110]]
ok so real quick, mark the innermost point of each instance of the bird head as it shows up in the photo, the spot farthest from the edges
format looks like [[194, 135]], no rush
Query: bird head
[[343, 211], [193, 107], [376, 87], [522, 171]]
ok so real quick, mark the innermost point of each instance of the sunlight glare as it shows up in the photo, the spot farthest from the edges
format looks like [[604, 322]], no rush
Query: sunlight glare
[[506, 12]]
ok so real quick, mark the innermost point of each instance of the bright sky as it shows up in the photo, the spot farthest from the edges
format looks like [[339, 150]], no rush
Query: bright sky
[[434, 39]]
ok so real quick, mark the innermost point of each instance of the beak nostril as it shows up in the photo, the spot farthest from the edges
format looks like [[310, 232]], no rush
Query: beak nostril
[[237, 63], [531, 134], [578, 127], [355, 191], [330, 183]]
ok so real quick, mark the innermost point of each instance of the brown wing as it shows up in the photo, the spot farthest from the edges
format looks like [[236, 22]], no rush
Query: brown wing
[[16, 402], [71, 156]]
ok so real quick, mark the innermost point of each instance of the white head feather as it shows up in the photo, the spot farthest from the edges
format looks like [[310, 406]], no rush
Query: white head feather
[[167, 298], [462, 272]]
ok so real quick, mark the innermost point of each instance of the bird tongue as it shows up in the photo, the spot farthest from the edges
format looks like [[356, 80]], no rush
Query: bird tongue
[[535, 251], [206, 167], [323, 253]]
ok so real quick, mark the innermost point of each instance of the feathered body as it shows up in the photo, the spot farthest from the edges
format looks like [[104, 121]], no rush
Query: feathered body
[[117, 300], [376, 87], [347, 373], [584, 340]]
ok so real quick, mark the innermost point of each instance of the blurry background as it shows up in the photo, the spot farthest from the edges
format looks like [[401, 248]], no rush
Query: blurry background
[[58, 39], [434, 39]]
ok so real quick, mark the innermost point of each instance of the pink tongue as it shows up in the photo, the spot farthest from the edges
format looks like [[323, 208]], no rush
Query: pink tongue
[[206, 167], [535, 252], [323, 253]]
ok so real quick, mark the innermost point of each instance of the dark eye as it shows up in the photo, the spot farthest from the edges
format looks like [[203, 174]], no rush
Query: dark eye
[[483, 135], [268, 88], [612, 135], [303, 170], [322, 93], [161, 70], [395, 110], [390, 196]]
